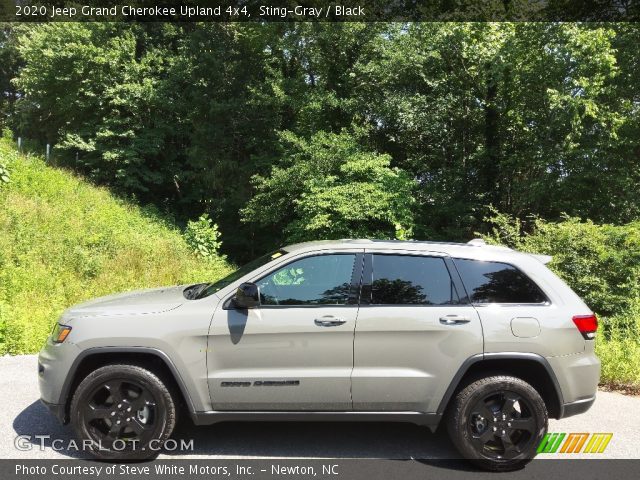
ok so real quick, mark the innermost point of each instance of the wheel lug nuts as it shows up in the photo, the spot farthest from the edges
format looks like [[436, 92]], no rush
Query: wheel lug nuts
[[495, 429], [119, 405], [503, 432], [113, 414], [118, 422], [495, 419], [508, 424], [129, 409]]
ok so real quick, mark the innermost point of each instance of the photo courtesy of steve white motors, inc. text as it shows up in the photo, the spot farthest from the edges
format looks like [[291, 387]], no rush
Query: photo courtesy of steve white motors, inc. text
[[164, 469]]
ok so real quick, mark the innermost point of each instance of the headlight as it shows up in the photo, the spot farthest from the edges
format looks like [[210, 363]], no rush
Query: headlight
[[60, 333]]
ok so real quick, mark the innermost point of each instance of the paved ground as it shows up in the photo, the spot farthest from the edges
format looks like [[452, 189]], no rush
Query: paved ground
[[22, 414]]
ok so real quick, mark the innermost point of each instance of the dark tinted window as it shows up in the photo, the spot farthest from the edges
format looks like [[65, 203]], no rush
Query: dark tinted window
[[323, 279], [404, 279], [494, 282]]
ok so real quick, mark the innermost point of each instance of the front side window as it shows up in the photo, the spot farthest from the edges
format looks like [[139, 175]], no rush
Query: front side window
[[411, 280], [214, 287], [318, 280], [495, 282]]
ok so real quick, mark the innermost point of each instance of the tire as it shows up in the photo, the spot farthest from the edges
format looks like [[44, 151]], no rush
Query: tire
[[124, 412], [484, 436]]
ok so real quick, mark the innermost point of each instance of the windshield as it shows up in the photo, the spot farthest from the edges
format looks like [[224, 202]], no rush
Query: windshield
[[241, 272]]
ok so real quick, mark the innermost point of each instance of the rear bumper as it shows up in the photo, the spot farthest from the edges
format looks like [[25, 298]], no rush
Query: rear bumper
[[577, 407], [578, 376]]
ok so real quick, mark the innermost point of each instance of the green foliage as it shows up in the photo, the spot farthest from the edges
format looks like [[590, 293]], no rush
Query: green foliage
[[619, 347], [602, 264], [4, 174], [534, 118], [63, 241], [10, 63], [330, 187], [4, 171], [203, 237]]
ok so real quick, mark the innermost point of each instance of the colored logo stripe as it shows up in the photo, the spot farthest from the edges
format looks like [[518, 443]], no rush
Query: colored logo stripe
[[550, 442], [574, 443], [597, 442]]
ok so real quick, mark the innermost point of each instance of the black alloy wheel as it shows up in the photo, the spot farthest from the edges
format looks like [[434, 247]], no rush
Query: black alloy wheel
[[497, 422], [123, 412], [120, 409], [501, 425]]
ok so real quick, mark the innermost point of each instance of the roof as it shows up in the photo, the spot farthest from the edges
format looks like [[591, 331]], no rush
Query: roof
[[394, 244], [476, 248]]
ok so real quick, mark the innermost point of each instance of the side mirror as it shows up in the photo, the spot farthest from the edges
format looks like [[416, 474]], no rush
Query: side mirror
[[247, 296]]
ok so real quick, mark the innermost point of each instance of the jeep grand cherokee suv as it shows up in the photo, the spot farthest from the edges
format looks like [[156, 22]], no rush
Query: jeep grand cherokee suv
[[485, 339]]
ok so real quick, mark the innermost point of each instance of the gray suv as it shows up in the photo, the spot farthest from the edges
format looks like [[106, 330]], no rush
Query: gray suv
[[484, 339]]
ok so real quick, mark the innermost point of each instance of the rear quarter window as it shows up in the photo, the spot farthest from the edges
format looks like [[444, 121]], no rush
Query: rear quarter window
[[496, 282]]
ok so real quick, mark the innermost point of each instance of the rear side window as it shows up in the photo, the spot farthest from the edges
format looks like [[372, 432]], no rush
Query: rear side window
[[495, 282], [411, 280]]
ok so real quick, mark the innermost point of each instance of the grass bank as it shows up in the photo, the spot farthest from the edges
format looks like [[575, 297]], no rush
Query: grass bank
[[64, 240]]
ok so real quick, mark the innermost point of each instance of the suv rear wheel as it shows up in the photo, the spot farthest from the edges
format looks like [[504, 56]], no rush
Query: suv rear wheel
[[123, 411], [498, 422]]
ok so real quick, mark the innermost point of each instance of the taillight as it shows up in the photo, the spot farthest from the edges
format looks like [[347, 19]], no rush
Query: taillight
[[587, 324]]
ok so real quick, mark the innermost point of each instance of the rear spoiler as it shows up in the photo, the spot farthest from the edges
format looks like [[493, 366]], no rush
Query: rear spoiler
[[541, 258]]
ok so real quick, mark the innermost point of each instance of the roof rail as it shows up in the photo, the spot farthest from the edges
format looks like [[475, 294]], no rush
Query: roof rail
[[477, 242]]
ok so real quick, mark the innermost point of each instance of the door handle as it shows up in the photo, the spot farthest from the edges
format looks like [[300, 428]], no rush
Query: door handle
[[329, 321], [454, 319]]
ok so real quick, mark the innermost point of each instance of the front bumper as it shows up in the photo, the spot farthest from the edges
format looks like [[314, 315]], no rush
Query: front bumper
[[54, 362], [57, 409]]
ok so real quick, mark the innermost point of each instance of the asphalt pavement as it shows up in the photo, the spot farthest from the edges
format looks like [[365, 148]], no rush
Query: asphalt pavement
[[23, 420]]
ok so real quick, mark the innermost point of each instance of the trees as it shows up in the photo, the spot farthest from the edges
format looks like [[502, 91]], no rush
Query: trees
[[513, 115], [9, 66], [532, 118], [329, 187]]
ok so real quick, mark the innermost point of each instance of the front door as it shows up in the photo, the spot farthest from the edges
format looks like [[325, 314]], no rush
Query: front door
[[295, 351]]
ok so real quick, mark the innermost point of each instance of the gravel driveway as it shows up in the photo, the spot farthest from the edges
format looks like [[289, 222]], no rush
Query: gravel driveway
[[22, 414]]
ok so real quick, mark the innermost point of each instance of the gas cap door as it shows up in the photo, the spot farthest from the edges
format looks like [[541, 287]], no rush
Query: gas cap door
[[525, 327]]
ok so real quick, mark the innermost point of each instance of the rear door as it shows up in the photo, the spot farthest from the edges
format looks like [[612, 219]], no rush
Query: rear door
[[415, 329]]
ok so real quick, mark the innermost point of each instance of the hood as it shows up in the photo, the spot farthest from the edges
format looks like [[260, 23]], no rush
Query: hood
[[140, 302]]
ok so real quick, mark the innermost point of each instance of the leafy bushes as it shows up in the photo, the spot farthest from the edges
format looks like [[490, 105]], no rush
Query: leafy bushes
[[4, 174], [63, 240], [330, 187], [203, 237], [602, 264]]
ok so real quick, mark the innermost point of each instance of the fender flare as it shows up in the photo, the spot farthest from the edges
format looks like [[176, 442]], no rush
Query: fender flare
[[65, 393], [464, 368]]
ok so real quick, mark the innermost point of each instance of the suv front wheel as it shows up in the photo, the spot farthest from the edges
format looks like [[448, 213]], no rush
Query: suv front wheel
[[123, 412], [498, 422]]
